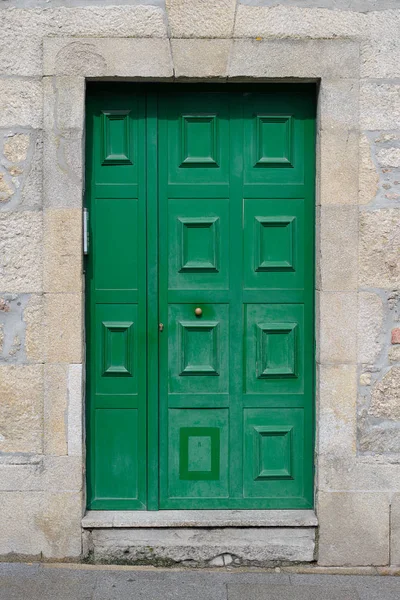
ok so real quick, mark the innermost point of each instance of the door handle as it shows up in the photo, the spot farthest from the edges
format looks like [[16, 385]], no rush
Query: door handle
[[198, 312]]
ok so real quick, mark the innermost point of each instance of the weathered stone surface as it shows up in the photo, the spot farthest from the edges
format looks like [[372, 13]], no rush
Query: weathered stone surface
[[339, 104], [34, 334], [354, 529], [337, 410], [200, 58], [6, 190], [370, 327], [297, 22], [45, 473], [395, 530], [63, 250], [338, 168], [21, 252], [368, 174], [389, 157], [338, 229], [16, 147], [55, 409], [357, 474], [48, 524], [395, 337], [201, 18], [21, 102], [379, 439], [249, 546], [64, 328], [379, 105], [75, 410], [380, 59], [64, 103], [379, 248], [292, 58], [21, 408], [338, 325], [98, 57], [385, 400], [394, 354], [63, 169]]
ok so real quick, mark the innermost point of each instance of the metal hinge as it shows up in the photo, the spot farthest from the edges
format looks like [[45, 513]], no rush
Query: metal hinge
[[85, 231]]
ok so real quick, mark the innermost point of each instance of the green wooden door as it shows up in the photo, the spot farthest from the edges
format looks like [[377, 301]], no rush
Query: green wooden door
[[200, 303]]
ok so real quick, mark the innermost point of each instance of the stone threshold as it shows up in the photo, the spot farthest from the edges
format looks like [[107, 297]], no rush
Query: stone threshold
[[103, 519]]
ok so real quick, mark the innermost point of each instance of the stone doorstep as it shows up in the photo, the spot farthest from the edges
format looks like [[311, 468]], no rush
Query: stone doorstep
[[210, 538], [100, 519]]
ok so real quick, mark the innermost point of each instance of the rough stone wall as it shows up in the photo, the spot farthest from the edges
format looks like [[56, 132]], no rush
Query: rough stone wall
[[41, 287]]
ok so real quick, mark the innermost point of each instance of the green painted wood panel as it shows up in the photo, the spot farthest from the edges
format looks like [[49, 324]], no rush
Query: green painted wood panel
[[210, 190]]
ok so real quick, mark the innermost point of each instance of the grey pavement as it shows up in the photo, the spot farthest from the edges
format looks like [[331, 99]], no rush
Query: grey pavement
[[79, 582]]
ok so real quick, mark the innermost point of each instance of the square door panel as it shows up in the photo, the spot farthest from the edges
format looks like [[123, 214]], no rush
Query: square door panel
[[274, 141], [274, 244], [198, 244], [274, 340], [198, 453], [198, 349], [198, 140], [116, 346], [273, 451], [116, 125]]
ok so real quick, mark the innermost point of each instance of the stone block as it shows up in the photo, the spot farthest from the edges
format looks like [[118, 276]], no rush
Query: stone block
[[201, 18], [259, 546], [63, 169], [385, 398], [370, 327], [354, 529], [379, 105], [203, 58], [63, 250], [54, 474], [64, 103], [394, 354], [379, 262], [64, 328], [16, 147], [337, 327], [21, 252], [55, 409], [339, 104], [395, 529], [357, 473], [21, 408], [21, 54], [368, 173], [337, 386], [292, 58], [75, 410], [40, 525], [302, 21], [380, 58], [102, 57], [381, 439], [395, 338], [338, 168], [34, 334], [21, 102], [389, 157], [338, 229]]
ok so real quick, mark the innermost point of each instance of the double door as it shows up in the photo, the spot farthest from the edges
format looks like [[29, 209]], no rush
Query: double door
[[200, 296]]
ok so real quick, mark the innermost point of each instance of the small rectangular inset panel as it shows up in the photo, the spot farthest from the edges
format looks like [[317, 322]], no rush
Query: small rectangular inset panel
[[116, 137], [199, 453], [274, 348], [273, 452], [117, 348], [273, 449], [274, 237], [274, 244], [273, 137], [116, 352], [199, 348], [199, 140], [199, 244]]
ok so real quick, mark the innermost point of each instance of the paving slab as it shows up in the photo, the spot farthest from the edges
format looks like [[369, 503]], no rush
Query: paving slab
[[290, 592]]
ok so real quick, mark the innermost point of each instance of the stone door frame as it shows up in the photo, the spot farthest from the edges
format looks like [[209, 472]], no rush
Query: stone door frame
[[334, 64]]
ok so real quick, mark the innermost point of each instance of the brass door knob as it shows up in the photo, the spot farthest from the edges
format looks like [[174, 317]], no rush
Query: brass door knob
[[198, 312]]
